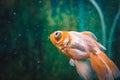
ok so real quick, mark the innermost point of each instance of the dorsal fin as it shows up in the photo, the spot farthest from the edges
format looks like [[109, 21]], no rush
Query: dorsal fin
[[94, 37], [89, 34]]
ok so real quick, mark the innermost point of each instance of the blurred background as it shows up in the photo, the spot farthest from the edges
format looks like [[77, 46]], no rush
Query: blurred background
[[26, 52]]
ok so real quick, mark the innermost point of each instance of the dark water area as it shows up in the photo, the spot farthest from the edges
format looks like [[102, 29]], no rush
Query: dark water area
[[26, 52]]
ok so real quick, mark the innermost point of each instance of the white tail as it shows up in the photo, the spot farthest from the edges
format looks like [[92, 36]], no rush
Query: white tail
[[84, 69]]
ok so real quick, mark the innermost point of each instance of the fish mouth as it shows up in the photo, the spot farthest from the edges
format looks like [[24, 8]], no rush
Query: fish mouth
[[50, 37]]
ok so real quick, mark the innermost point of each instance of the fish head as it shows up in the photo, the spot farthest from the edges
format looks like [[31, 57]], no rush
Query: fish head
[[56, 37], [59, 38]]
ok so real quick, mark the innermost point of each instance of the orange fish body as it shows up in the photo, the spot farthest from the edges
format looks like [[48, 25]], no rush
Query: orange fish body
[[85, 53]]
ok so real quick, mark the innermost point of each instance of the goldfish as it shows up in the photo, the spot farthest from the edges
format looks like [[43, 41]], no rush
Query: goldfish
[[86, 54]]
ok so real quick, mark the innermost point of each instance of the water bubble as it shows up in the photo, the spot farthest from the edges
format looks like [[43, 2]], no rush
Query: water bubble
[[38, 61], [48, 37], [14, 13], [19, 35], [40, 1], [27, 29], [37, 25]]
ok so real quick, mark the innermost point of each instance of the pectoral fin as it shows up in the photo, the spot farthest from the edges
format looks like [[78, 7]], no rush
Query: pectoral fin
[[71, 62]]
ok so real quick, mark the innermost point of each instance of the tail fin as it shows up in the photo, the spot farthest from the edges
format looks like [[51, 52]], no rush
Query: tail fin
[[113, 67], [84, 69], [104, 67]]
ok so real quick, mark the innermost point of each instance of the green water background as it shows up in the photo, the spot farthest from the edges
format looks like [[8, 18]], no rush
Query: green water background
[[26, 52]]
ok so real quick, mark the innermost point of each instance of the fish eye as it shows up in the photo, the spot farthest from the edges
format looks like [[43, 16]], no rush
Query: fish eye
[[57, 34]]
